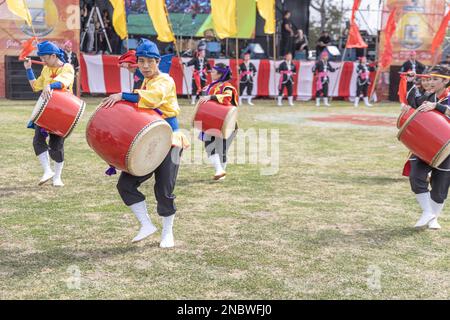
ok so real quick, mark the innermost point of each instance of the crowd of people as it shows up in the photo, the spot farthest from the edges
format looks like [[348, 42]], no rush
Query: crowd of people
[[99, 34]]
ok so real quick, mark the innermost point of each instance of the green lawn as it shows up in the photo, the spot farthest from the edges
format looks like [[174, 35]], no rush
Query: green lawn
[[335, 222]]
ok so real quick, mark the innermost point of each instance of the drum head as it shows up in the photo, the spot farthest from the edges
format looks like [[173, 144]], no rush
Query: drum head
[[38, 108], [229, 124], [149, 148]]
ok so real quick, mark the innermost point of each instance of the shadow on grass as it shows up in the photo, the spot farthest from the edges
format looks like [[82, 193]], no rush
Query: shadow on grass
[[21, 265]]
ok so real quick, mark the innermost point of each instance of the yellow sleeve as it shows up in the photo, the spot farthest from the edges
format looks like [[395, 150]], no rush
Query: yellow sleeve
[[160, 94], [152, 97], [38, 85], [225, 96], [66, 76]]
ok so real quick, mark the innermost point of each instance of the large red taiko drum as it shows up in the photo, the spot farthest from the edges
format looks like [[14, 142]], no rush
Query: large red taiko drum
[[132, 139], [59, 114], [215, 119], [427, 135]]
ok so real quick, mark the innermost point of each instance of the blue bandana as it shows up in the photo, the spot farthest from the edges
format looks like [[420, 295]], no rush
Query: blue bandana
[[47, 47], [147, 49]]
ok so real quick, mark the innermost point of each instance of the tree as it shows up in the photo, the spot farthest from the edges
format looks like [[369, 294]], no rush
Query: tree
[[331, 19]]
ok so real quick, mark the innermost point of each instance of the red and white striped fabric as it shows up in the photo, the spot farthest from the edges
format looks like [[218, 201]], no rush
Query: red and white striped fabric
[[101, 74]]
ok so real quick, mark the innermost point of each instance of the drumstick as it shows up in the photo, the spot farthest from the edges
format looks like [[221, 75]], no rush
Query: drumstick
[[415, 75], [34, 61]]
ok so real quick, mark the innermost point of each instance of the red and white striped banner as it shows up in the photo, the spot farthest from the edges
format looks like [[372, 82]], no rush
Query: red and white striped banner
[[101, 74]]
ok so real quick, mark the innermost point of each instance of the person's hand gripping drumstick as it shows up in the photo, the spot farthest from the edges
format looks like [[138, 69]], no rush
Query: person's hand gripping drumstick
[[108, 102]]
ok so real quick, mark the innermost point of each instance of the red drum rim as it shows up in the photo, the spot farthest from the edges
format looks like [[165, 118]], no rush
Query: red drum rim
[[442, 154], [400, 117], [38, 108], [78, 117]]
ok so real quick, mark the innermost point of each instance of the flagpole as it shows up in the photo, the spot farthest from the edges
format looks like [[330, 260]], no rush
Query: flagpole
[[177, 51], [274, 49], [237, 56]]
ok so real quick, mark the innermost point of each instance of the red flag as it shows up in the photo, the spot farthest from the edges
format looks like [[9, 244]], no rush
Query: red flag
[[386, 56], [354, 37], [356, 4], [440, 34], [27, 48], [402, 89]]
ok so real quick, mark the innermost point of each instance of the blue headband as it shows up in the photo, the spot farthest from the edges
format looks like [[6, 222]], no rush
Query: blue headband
[[49, 48], [147, 49]]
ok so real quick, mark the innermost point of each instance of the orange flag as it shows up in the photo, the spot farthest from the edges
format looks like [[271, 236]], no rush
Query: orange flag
[[402, 89], [27, 48], [440, 34], [354, 37], [386, 56]]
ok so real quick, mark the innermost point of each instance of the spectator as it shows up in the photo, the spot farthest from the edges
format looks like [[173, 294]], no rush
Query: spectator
[[301, 42], [71, 58], [287, 34], [322, 43], [412, 64]]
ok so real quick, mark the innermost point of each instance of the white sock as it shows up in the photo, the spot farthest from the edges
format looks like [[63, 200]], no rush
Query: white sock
[[317, 102], [167, 240], [280, 98], [356, 101], [215, 160], [44, 159], [140, 211], [240, 100], [366, 101], [193, 99], [249, 99], [325, 100], [291, 100], [58, 170], [224, 165], [424, 201], [436, 208]]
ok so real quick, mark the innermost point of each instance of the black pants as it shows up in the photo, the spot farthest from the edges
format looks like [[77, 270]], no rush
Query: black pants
[[440, 180], [288, 86], [194, 87], [323, 92], [246, 85], [220, 146], [287, 45], [55, 146], [362, 89], [165, 179]]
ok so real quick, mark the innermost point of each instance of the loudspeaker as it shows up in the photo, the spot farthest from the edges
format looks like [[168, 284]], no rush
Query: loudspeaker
[[16, 81], [334, 53]]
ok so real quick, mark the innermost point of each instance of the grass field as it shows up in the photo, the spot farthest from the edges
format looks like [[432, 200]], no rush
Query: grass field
[[335, 222]]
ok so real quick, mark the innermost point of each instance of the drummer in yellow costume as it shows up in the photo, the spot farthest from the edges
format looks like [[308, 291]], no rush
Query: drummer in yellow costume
[[56, 74], [158, 92]]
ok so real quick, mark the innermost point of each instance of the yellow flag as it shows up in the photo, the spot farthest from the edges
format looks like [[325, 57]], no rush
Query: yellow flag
[[224, 17], [266, 9], [157, 12], [19, 8], [119, 19]]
